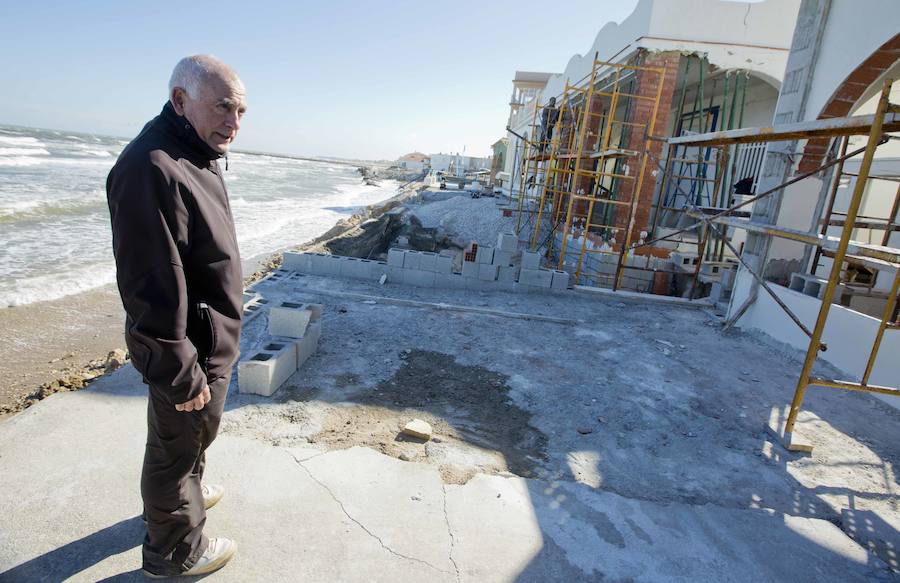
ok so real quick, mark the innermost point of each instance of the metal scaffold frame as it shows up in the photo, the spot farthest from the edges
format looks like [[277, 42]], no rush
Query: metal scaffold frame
[[582, 170], [843, 250]]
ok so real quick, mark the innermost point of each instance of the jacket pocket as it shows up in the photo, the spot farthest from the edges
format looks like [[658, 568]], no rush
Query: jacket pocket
[[202, 333]]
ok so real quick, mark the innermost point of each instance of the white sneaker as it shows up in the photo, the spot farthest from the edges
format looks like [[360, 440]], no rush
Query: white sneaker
[[212, 494], [218, 553]]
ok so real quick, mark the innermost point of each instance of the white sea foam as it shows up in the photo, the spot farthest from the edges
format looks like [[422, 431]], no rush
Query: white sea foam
[[21, 141], [24, 152], [52, 286], [54, 224], [21, 161]]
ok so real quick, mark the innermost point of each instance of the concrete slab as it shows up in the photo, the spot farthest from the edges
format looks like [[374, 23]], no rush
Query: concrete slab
[[569, 532], [298, 513]]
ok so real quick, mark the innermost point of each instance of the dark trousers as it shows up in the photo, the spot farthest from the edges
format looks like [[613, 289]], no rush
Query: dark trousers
[[546, 136], [170, 481]]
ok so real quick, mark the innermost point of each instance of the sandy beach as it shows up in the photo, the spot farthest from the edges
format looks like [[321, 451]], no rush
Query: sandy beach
[[42, 341]]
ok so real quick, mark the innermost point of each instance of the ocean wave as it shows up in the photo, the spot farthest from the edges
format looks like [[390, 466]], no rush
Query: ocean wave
[[52, 286], [21, 141], [21, 161], [34, 161], [23, 152], [17, 212]]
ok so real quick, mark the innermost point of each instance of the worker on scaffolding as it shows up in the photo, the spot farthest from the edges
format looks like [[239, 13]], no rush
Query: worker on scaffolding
[[549, 117]]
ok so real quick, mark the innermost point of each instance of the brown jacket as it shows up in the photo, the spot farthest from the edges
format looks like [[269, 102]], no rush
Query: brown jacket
[[177, 262]]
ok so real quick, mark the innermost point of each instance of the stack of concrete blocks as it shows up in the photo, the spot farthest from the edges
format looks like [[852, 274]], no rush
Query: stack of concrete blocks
[[685, 261], [294, 332], [637, 274], [720, 291], [328, 265], [492, 269], [533, 275], [812, 285], [422, 269]]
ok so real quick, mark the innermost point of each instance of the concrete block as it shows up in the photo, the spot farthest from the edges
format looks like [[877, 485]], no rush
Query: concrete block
[[316, 309], [508, 274], [331, 266], [319, 263], [559, 280], [456, 281], [374, 269], [502, 258], [487, 272], [301, 262], [427, 261], [685, 261], [264, 372], [412, 260], [307, 346], [418, 278], [507, 286], [349, 267], [470, 269], [443, 264], [728, 275], [475, 284], [484, 255], [395, 257], [531, 260], [395, 274], [507, 242], [442, 280], [289, 321], [542, 278]]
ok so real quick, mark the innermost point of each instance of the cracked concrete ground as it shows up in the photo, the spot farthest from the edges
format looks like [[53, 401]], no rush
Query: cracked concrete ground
[[628, 445]]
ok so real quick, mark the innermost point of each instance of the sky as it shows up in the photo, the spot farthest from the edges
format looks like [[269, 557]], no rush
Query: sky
[[350, 79]]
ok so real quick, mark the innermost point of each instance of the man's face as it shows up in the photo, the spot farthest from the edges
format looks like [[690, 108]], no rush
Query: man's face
[[216, 112]]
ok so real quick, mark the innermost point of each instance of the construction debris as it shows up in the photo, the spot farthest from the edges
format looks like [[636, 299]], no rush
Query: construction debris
[[418, 428]]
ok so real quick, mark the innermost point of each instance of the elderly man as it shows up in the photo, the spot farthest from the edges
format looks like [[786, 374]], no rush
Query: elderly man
[[179, 276]]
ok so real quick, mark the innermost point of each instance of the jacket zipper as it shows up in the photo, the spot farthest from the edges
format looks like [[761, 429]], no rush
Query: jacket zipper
[[204, 313]]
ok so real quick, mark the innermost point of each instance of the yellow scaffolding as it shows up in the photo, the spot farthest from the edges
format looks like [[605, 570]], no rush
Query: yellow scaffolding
[[594, 169], [843, 250]]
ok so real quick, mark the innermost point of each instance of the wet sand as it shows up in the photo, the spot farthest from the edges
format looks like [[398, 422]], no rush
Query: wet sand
[[41, 340]]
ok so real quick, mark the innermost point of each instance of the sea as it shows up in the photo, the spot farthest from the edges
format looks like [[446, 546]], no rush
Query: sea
[[55, 237]]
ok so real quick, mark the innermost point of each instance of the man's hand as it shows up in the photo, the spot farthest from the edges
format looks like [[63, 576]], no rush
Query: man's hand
[[197, 402]]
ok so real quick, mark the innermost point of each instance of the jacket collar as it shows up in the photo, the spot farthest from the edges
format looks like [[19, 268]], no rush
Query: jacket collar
[[187, 135]]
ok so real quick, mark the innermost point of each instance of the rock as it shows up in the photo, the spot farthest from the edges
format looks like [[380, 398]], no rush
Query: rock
[[418, 428], [585, 430], [601, 419], [405, 457], [116, 359]]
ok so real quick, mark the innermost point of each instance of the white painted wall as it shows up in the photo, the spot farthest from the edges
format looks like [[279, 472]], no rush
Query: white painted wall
[[848, 334], [854, 31], [733, 35], [411, 165]]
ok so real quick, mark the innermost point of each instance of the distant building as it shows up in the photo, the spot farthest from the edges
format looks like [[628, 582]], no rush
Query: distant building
[[498, 161], [457, 164], [414, 161]]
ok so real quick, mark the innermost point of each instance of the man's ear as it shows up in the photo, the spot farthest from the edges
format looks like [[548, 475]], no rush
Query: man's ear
[[177, 98]]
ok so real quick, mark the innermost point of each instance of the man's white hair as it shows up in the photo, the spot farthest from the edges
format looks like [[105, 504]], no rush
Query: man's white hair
[[192, 72]]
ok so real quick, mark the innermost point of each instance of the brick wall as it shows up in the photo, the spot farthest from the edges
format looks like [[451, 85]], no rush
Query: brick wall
[[641, 112], [846, 96]]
